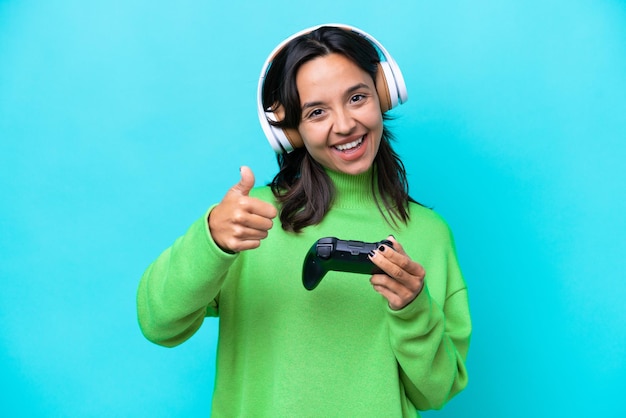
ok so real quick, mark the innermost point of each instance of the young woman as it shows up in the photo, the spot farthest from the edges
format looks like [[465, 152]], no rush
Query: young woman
[[382, 345]]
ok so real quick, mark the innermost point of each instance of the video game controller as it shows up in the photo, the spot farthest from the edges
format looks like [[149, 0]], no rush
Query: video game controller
[[338, 255]]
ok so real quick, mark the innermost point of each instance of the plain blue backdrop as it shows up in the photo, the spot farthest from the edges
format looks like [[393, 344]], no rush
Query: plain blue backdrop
[[122, 121]]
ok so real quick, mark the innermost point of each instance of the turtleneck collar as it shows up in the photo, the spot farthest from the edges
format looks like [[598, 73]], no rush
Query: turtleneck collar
[[352, 191]]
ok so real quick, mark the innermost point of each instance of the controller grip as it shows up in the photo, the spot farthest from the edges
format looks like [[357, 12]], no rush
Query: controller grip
[[313, 272]]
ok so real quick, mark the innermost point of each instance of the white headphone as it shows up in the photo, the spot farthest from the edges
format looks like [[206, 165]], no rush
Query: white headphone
[[390, 87]]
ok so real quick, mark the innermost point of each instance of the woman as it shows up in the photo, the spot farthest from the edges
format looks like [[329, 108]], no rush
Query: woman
[[387, 346]]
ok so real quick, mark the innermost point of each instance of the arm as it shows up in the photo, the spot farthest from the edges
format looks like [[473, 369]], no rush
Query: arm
[[178, 287], [431, 344], [429, 332]]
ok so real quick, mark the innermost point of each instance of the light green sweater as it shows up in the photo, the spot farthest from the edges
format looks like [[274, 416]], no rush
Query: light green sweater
[[336, 351]]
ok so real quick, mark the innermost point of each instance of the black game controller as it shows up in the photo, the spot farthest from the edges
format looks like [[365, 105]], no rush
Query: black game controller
[[338, 255]]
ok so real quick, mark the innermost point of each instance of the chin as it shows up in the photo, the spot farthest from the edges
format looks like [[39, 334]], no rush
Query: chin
[[356, 169]]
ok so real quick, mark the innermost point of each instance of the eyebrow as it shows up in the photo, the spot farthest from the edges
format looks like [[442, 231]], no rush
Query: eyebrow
[[348, 91]]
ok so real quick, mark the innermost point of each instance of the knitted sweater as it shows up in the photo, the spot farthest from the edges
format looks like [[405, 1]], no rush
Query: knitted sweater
[[338, 350]]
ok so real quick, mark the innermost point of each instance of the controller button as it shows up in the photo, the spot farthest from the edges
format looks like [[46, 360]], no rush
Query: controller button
[[324, 251]]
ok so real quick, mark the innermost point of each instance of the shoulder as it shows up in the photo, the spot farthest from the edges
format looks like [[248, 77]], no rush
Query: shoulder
[[430, 221]]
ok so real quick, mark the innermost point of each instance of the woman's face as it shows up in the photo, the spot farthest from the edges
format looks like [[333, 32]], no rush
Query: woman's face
[[341, 123]]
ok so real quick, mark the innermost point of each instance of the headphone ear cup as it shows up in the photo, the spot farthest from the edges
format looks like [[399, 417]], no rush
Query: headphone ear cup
[[382, 89], [283, 140], [386, 87], [288, 139], [294, 138]]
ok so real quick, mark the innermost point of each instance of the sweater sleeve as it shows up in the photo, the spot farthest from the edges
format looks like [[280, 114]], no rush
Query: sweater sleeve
[[430, 338], [181, 286]]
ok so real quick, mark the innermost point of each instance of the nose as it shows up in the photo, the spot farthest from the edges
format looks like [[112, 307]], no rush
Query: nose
[[344, 122]]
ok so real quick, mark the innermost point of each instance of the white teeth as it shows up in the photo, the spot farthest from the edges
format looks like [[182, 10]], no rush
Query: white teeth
[[349, 145]]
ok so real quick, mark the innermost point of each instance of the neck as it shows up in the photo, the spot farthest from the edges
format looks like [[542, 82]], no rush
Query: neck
[[352, 190]]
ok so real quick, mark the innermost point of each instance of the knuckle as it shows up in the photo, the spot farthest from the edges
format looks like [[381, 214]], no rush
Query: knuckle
[[238, 217], [238, 232], [405, 263], [233, 245], [396, 271], [243, 202]]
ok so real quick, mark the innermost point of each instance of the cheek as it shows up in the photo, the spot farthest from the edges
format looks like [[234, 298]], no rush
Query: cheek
[[372, 118], [377, 121], [376, 126], [313, 137]]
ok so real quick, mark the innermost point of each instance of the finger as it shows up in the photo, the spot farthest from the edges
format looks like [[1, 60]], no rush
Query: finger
[[257, 222], [246, 183], [397, 286], [242, 233], [243, 245], [396, 245], [397, 296], [241, 238], [261, 208], [403, 277], [388, 294], [386, 283], [395, 264]]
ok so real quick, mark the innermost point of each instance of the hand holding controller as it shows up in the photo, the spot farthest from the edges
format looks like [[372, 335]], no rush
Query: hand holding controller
[[338, 255]]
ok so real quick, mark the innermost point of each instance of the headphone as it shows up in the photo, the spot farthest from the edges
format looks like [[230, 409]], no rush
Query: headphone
[[389, 81]]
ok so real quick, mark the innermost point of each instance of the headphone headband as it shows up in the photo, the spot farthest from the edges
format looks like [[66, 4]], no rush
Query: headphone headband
[[389, 77]]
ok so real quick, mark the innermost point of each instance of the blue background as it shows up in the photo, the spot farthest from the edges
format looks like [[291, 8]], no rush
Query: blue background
[[121, 122]]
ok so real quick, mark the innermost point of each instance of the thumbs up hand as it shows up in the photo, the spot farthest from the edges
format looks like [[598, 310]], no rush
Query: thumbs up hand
[[239, 222]]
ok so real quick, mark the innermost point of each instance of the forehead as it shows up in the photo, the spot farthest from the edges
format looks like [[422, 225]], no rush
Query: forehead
[[330, 72]]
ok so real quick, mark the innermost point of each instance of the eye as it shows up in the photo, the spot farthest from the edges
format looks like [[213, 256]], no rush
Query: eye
[[357, 98], [315, 113]]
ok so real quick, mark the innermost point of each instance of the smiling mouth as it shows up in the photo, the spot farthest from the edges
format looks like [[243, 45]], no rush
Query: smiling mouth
[[350, 145]]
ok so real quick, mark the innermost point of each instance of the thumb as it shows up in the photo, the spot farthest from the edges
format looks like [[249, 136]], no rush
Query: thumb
[[247, 181]]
